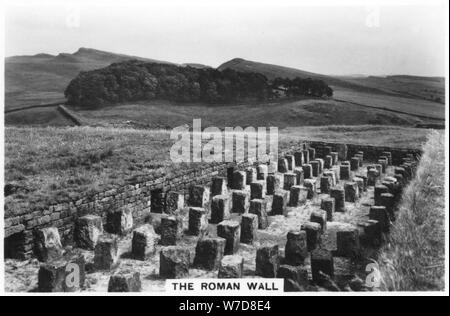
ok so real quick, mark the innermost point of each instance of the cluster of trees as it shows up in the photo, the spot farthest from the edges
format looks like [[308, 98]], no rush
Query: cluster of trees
[[302, 87], [135, 80]]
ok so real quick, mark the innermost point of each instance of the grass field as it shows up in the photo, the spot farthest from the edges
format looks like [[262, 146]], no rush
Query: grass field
[[426, 108], [48, 165], [414, 259], [311, 112]]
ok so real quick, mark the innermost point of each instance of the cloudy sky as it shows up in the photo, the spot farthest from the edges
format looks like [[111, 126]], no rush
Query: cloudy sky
[[370, 39]]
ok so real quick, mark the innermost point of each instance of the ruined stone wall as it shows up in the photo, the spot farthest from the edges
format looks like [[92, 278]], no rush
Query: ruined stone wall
[[142, 196]]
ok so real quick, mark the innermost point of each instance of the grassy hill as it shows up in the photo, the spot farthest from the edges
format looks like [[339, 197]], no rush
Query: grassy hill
[[42, 78], [427, 88], [414, 258]]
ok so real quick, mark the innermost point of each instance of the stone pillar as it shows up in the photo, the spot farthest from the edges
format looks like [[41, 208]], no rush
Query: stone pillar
[[325, 184], [387, 200], [231, 267], [328, 162], [174, 262], [239, 180], [321, 262], [307, 171], [198, 221], [335, 157], [313, 234], [305, 156], [298, 196], [280, 202], [144, 241], [383, 164], [259, 208], [125, 282], [300, 175], [347, 238], [220, 208], [53, 276], [273, 184], [291, 162], [379, 214], [299, 158], [171, 230], [296, 250], [209, 253], [319, 217], [379, 189], [338, 194], [106, 253], [344, 173], [312, 154], [249, 228], [311, 186], [372, 233], [119, 221], [230, 174], [351, 192], [199, 196], [240, 202], [257, 190], [267, 260], [332, 175], [372, 177], [262, 172], [328, 206], [174, 202], [361, 159], [315, 166], [360, 183], [251, 175], [388, 154], [364, 179], [231, 232], [87, 231], [295, 278], [290, 179], [354, 164], [47, 244], [283, 166], [219, 186]]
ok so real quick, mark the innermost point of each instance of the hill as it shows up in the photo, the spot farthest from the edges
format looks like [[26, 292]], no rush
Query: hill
[[427, 88], [272, 71], [419, 96], [42, 78]]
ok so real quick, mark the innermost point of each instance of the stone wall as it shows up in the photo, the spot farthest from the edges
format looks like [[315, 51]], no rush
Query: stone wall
[[142, 196]]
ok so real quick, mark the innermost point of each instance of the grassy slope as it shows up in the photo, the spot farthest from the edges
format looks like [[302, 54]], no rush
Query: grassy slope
[[428, 88], [42, 79], [413, 106], [414, 259], [163, 114], [51, 164], [400, 93]]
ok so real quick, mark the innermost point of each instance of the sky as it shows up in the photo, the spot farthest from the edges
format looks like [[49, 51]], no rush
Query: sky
[[344, 40]]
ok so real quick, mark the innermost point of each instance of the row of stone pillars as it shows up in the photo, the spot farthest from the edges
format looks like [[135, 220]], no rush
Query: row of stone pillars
[[253, 194]]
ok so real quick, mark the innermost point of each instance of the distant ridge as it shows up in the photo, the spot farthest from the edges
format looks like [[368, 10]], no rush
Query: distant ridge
[[42, 78]]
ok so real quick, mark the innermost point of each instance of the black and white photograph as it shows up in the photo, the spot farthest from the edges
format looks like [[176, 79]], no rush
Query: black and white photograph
[[232, 152]]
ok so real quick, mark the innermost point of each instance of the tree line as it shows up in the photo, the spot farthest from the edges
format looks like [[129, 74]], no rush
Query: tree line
[[136, 81]]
